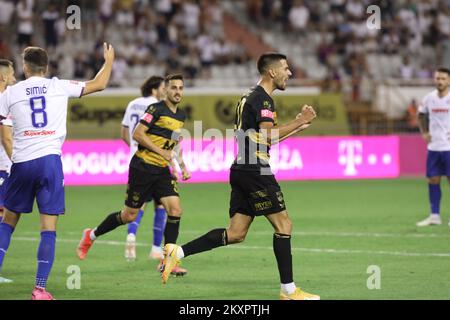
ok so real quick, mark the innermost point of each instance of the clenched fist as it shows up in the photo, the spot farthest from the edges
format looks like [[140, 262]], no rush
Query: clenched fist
[[307, 115]]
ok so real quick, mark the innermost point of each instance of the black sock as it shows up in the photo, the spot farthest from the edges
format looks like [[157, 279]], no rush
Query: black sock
[[109, 224], [213, 239], [172, 229], [282, 249]]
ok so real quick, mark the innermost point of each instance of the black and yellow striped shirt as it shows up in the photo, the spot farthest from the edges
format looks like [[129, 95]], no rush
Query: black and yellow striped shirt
[[163, 129], [253, 150]]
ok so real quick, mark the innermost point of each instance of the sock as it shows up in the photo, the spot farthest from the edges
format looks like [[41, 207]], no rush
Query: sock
[[109, 224], [434, 193], [159, 224], [172, 229], [133, 226], [157, 249], [282, 250], [213, 239], [288, 288], [6, 232], [45, 257], [92, 234]]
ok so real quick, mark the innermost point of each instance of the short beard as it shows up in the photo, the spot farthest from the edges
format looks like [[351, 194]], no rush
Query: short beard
[[279, 87], [173, 101]]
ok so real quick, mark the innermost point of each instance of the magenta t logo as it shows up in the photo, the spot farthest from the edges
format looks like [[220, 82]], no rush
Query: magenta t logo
[[350, 156]]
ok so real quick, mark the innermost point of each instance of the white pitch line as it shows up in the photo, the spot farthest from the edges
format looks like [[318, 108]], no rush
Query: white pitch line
[[243, 247], [347, 234], [312, 234]]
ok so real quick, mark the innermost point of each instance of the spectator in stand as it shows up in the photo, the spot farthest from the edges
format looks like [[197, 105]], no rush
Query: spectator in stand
[[105, 8], [81, 66], [6, 13], [50, 18], [299, 17], [125, 13], [25, 28], [212, 18], [191, 15], [254, 11], [120, 67], [412, 121], [407, 71], [5, 51]]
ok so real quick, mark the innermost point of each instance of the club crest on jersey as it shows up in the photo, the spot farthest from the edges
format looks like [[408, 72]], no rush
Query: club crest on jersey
[[267, 105], [151, 109], [147, 118], [265, 113]]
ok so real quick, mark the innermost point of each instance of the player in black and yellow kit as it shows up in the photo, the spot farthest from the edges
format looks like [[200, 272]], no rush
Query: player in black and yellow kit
[[149, 176], [254, 189]]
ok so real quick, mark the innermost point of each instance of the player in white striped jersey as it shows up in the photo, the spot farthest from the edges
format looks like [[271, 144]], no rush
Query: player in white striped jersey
[[434, 122], [6, 79], [38, 107]]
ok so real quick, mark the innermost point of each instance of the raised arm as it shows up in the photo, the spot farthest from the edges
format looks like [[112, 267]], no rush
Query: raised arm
[[279, 133], [101, 80]]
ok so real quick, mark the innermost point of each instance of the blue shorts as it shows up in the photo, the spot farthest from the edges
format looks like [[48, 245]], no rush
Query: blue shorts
[[438, 163], [3, 180], [40, 178]]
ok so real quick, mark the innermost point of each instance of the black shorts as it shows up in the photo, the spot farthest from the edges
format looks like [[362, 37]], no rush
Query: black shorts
[[151, 198], [254, 194], [144, 186]]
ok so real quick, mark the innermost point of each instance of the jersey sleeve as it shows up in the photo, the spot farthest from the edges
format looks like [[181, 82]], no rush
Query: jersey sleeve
[[4, 106], [150, 116], [423, 106], [264, 111], [7, 122], [72, 88]]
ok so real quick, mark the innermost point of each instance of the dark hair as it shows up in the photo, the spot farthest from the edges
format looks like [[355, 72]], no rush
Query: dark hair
[[267, 59], [36, 58], [5, 63], [444, 70], [151, 83], [176, 76]]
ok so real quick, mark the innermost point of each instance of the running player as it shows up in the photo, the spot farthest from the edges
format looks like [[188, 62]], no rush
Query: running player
[[38, 107], [149, 176], [153, 90], [254, 189], [6, 79], [434, 123]]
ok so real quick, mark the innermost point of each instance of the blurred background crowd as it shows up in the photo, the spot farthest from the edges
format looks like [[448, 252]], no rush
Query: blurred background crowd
[[215, 43]]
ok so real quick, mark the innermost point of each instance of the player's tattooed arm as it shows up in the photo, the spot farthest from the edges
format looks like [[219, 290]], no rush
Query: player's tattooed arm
[[101, 80], [7, 139], [141, 137], [424, 125], [186, 175]]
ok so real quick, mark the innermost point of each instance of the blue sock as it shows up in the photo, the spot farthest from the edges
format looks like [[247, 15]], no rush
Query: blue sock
[[5, 238], [133, 226], [434, 192], [45, 257], [158, 226]]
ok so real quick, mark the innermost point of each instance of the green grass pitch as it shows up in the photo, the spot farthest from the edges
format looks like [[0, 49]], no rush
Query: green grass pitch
[[340, 229]]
